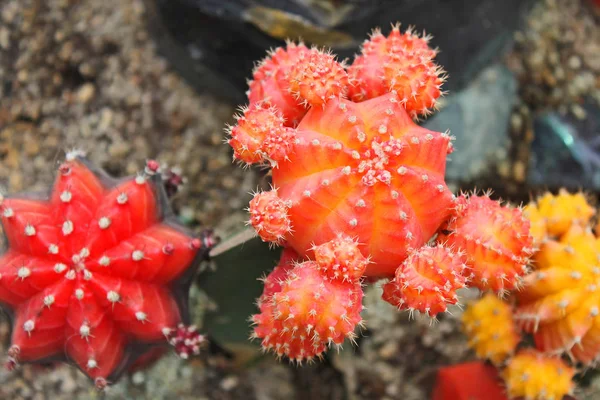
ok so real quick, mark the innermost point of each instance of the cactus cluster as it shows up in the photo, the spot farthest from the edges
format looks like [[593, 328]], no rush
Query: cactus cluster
[[358, 193], [96, 271], [558, 303]]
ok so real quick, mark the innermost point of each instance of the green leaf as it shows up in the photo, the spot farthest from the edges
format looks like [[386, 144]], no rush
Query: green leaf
[[234, 287]]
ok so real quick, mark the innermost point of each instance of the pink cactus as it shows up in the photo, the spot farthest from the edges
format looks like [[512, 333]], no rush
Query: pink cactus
[[94, 269]]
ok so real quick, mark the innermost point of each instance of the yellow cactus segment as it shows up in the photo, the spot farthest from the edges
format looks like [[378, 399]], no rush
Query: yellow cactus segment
[[560, 303], [537, 226], [563, 210], [490, 328], [531, 375]]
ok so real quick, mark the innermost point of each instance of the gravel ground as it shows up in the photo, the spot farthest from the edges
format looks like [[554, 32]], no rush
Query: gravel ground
[[86, 74]]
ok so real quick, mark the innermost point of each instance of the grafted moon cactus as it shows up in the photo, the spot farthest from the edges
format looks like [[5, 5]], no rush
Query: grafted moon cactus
[[353, 178], [97, 271]]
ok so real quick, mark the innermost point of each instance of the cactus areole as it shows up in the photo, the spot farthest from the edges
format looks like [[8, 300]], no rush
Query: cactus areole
[[97, 272]]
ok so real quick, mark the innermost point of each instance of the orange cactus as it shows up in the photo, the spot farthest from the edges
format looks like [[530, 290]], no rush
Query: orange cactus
[[360, 191], [271, 82], [491, 329], [402, 62], [496, 241], [260, 135], [365, 169], [427, 281], [317, 77], [531, 375], [269, 216], [303, 311]]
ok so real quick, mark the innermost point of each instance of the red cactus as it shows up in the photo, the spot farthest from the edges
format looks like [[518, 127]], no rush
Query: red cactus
[[427, 281], [496, 241], [271, 82], [92, 270], [303, 311], [402, 62]]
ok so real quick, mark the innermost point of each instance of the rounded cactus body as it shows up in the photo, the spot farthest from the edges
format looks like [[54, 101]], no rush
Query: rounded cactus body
[[365, 169]]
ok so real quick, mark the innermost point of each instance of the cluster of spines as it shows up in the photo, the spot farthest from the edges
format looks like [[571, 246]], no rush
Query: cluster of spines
[[306, 307], [427, 280], [495, 239], [491, 329]]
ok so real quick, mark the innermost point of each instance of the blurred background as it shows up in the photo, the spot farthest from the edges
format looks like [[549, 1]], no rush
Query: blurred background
[[128, 80]]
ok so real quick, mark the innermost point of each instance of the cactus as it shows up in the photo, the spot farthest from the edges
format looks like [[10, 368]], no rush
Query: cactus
[[400, 62], [358, 193], [496, 241], [367, 170], [560, 302], [427, 281], [271, 82], [308, 306], [531, 375], [563, 210], [96, 271], [491, 329]]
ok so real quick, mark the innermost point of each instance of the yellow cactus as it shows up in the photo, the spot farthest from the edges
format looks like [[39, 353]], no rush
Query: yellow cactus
[[533, 376], [537, 226], [490, 328], [563, 210], [560, 303]]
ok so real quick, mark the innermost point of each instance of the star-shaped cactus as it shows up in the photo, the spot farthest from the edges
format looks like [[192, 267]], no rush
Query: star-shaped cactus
[[97, 272]]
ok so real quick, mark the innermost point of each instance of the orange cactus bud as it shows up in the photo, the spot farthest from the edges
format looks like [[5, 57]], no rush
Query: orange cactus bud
[[316, 77], [491, 329], [367, 170], [496, 241], [401, 62], [560, 303], [271, 82], [427, 281], [308, 313], [563, 210], [258, 123], [340, 259], [531, 375], [269, 216]]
